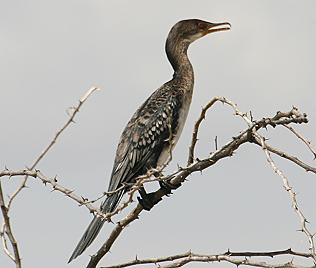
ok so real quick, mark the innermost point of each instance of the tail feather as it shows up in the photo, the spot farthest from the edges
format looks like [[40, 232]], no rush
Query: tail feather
[[96, 224]]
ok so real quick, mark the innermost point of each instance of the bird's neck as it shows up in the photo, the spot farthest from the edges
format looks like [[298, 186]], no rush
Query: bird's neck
[[183, 70]]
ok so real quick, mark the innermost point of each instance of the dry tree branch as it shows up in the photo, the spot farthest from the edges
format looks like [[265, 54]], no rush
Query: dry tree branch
[[23, 172], [292, 194], [70, 120], [55, 187], [293, 116], [250, 135], [291, 158], [308, 143], [194, 138], [6, 228], [229, 259], [184, 258]]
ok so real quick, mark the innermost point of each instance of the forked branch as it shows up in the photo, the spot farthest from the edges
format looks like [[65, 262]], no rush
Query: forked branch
[[247, 136]]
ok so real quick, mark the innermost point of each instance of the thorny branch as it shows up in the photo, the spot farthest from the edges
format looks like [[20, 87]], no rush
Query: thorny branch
[[292, 194], [6, 227], [70, 120], [249, 135], [308, 143], [6, 230], [293, 116], [184, 258]]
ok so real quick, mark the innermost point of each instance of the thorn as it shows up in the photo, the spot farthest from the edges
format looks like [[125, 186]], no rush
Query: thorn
[[251, 117]]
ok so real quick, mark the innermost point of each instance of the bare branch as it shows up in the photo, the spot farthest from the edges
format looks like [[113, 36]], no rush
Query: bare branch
[[202, 117], [182, 259], [292, 194], [50, 145], [6, 229], [300, 136], [237, 262], [287, 156], [23, 172], [31, 172], [179, 177], [4, 243], [151, 261], [113, 236], [196, 129], [249, 135]]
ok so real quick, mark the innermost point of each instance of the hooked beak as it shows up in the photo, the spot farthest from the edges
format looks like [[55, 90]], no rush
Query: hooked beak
[[217, 27]]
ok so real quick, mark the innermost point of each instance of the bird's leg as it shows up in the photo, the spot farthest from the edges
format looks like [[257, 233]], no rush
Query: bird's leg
[[147, 200]]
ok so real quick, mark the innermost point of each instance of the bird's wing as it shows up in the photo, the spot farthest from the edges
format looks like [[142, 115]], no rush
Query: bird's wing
[[145, 136]]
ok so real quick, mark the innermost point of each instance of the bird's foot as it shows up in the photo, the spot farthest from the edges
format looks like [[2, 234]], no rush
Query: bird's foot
[[147, 200]]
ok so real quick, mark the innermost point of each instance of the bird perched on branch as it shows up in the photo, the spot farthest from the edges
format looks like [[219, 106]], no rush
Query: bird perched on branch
[[154, 129]]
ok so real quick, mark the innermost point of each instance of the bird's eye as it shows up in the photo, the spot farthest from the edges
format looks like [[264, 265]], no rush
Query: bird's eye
[[201, 25]]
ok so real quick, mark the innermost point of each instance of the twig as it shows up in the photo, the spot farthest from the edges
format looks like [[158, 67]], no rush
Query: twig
[[4, 243], [6, 229], [292, 158], [300, 136], [50, 145], [194, 138]]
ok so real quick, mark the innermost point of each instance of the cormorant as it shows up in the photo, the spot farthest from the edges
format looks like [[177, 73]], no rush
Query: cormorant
[[156, 126]]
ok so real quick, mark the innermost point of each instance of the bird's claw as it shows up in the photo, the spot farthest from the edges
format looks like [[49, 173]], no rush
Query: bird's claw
[[168, 187], [147, 201]]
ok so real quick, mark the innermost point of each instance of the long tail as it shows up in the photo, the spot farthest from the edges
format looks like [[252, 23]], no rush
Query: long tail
[[95, 226]]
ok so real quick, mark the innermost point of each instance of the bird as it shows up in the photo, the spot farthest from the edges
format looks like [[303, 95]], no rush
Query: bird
[[154, 129]]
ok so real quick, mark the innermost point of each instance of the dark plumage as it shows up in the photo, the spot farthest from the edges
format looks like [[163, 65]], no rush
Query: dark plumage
[[157, 124]]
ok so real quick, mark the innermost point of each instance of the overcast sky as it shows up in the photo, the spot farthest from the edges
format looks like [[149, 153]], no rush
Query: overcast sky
[[52, 51]]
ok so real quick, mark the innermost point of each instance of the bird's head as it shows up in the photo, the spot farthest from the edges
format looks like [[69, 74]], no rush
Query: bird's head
[[193, 29]]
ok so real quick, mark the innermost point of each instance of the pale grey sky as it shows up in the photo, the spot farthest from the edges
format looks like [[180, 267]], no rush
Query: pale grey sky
[[53, 51]]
